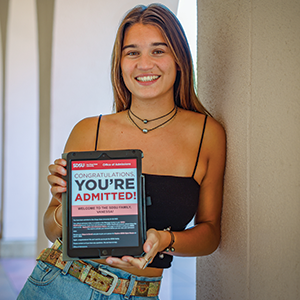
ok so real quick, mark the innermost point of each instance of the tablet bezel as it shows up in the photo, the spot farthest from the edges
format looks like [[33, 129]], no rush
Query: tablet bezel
[[103, 252]]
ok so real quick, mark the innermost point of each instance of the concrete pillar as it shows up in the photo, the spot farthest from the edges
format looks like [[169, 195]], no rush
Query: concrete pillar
[[248, 75], [3, 35], [45, 14]]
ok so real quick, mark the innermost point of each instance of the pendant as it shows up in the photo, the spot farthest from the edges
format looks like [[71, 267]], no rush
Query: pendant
[[145, 130], [145, 121]]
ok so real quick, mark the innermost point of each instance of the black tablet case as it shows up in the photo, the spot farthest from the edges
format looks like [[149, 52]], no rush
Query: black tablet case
[[65, 205]]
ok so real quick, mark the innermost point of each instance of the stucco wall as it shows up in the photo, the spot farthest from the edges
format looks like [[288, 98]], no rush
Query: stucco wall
[[249, 75]]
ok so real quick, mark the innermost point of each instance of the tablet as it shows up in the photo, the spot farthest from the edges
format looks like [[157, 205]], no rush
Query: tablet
[[104, 207]]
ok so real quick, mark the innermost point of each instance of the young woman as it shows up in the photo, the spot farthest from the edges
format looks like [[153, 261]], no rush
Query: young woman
[[158, 112]]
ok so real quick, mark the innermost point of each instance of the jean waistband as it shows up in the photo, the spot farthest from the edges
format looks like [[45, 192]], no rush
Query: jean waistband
[[103, 278]]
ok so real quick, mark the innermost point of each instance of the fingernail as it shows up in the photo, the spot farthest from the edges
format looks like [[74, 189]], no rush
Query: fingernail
[[109, 261]]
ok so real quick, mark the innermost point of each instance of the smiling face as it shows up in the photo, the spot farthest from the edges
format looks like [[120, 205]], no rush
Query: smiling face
[[148, 66]]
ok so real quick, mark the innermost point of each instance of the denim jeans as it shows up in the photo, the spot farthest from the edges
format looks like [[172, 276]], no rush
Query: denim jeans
[[48, 282]]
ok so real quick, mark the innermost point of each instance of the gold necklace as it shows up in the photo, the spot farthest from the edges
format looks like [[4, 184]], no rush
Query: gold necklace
[[145, 130]]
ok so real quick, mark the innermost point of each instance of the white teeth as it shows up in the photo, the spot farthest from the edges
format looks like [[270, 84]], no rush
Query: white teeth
[[147, 78]]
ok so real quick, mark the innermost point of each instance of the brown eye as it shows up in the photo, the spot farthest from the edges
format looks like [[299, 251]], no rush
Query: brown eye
[[158, 52], [132, 53]]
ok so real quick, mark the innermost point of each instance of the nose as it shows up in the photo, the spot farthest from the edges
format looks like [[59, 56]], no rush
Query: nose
[[145, 62]]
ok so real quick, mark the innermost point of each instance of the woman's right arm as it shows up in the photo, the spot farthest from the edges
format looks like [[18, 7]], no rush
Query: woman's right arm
[[53, 230]]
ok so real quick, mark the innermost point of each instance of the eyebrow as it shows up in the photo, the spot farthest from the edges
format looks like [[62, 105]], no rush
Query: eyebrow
[[153, 44]]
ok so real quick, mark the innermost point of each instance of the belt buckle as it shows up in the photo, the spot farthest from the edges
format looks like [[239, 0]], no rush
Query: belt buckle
[[113, 284]]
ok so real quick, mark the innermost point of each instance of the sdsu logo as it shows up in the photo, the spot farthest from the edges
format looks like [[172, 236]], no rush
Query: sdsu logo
[[78, 165]]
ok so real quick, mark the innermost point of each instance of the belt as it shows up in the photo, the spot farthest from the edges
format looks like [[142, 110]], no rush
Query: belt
[[104, 281]]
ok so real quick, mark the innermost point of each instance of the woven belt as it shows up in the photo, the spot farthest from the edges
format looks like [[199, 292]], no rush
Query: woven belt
[[104, 281]]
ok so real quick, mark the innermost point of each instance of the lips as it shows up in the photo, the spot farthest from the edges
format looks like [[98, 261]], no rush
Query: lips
[[147, 78]]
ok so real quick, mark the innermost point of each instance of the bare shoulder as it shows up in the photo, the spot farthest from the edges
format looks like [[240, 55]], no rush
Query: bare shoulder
[[214, 143], [196, 120], [213, 150], [115, 118], [214, 134], [214, 131], [82, 137]]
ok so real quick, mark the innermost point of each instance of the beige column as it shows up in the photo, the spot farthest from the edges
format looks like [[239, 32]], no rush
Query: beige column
[[3, 37], [249, 76], [45, 13]]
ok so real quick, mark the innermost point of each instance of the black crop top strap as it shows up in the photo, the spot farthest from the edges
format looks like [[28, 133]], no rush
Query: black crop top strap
[[97, 132], [204, 125]]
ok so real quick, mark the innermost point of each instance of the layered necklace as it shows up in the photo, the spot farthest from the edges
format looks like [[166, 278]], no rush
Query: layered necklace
[[146, 121]]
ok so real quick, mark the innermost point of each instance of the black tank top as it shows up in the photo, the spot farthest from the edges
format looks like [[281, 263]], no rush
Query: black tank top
[[171, 201]]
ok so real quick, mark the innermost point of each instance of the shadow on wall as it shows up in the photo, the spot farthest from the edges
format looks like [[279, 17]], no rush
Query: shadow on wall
[[221, 55]]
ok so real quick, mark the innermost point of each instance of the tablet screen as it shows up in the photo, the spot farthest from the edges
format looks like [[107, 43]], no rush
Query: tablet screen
[[104, 204]]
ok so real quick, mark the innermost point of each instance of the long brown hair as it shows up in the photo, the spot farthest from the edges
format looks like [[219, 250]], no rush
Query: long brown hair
[[171, 29]]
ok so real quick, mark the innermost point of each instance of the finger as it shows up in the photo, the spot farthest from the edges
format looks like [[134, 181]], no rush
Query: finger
[[135, 262], [55, 180], [56, 190], [127, 262], [148, 245], [152, 241], [119, 263], [130, 262], [61, 162], [57, 193], [57, 170], [140, 263]]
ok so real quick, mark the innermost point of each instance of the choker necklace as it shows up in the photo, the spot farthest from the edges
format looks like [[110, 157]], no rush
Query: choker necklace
[[146, 121], [145, 130]]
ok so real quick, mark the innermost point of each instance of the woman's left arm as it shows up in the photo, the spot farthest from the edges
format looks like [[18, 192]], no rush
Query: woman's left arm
[[204, 237]]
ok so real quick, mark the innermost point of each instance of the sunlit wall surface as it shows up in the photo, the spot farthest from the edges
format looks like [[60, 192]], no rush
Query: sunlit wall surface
[[187, 15]]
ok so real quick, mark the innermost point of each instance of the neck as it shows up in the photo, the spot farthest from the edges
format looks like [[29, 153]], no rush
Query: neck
[[151, 109]]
